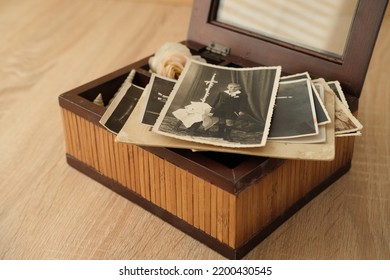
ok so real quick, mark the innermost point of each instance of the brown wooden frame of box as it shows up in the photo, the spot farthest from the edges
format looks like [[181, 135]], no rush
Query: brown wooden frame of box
[[230, 208]]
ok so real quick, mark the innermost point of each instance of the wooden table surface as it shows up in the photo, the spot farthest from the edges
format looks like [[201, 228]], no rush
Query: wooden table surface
[[49, 210]]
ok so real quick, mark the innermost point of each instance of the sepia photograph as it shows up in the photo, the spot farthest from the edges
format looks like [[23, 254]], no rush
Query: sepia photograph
[[222, 106], [345, 122]]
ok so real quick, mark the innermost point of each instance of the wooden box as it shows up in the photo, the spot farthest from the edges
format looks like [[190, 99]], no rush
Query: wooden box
[[230, 202]]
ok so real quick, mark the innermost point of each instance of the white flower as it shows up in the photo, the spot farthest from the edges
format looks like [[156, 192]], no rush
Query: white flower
[[170, 59]]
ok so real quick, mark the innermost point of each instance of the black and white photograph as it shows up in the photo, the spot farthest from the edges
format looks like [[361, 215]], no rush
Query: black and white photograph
[[121, 107], [311, 139], [222, 106], [157, 93], [336, 87], [321, 113], [294, 114]]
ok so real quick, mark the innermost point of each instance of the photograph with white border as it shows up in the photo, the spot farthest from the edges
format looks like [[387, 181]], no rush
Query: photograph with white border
[[345, 121], [157, 93], [294, 114], [121, 105], [223, 106], [336, 87], [321, 113]]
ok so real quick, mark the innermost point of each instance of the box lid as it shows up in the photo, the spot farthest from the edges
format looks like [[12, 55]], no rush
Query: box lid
[[357, 26]]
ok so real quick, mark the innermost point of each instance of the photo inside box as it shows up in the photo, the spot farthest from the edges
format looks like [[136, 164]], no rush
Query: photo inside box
[[109, 88], [222, 164], [142, 77], [226, 163]]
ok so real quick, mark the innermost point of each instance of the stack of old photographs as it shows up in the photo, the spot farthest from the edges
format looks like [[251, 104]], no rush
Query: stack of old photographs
[[250, 111]]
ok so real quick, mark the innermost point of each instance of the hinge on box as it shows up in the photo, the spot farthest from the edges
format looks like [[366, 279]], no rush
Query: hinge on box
[[218, 49], [215, 51]]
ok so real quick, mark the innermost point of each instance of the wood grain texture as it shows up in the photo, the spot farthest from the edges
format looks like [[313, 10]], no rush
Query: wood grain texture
[[50, 211]]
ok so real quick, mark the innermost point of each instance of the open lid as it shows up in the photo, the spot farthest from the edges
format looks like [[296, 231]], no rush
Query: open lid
[[333, 39]]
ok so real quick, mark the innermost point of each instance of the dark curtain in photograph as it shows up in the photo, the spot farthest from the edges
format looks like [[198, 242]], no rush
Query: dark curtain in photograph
[[258, 85]]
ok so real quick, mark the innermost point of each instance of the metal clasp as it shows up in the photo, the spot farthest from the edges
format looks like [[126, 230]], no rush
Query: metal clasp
[[218, 49]]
